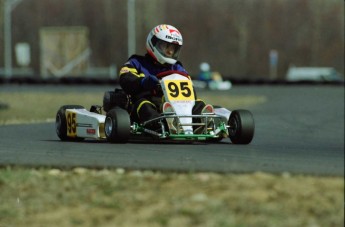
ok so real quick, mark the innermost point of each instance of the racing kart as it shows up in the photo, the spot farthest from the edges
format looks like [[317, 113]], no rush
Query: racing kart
[[176, 121]]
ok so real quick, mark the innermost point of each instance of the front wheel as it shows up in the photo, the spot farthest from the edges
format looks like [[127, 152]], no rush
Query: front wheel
[[241, 127], [117, 126]]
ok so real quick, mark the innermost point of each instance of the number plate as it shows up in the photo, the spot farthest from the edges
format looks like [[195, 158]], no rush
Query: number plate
[[71, 124], [179, 90]]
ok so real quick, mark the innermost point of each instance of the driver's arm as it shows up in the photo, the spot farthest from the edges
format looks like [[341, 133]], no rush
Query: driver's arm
[[130, 79]]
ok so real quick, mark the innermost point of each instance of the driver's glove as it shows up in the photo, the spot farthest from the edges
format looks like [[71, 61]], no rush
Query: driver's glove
[[149, 82], [157, 91]]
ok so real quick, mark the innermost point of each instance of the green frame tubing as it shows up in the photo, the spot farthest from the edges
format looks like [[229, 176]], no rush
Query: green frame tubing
[[222, 128]]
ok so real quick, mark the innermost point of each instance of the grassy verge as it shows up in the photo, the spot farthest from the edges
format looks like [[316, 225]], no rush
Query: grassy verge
[[116, 197], [37, 106], [83, 197]]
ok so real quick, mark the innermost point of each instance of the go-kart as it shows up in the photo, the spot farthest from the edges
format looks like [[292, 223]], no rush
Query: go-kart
[[176, 121]]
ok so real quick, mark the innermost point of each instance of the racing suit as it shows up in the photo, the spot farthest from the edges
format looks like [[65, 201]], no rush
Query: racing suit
[[146, 104]]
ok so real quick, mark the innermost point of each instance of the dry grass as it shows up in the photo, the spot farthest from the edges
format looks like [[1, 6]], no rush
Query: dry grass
[[83, 197], [37, 106]]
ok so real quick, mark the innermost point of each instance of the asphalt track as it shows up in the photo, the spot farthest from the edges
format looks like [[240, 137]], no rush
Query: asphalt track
[[299, 129]]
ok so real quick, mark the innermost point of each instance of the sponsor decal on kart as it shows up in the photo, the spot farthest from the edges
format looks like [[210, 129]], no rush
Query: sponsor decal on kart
[[91, 131]]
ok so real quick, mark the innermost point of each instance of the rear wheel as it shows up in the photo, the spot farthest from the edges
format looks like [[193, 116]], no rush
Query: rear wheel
[[117, 125], [241, 127], [61, 123]]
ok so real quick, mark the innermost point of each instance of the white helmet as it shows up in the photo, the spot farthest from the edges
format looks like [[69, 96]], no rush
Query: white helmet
[[159, 39]]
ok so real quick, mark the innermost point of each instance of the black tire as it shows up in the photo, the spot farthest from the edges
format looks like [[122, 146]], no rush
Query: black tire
[[61, 123], [117, 125], [241, 127]]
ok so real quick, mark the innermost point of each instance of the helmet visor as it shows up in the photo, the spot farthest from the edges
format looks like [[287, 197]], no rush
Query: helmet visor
[[168, 50]]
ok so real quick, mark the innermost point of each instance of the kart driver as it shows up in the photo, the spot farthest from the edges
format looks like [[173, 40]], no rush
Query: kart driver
[[138, 74]]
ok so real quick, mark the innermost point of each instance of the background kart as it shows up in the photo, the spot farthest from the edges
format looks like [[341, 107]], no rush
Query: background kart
[[176, 122]]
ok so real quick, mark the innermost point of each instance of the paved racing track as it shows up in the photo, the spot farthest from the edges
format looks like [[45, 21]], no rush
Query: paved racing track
[[299, 129]]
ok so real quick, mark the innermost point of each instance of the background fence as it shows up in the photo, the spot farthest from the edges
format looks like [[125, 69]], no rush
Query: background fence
[[236, 37]]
